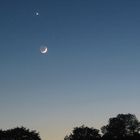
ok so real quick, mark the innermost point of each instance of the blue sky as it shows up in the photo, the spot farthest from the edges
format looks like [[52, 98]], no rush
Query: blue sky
[[91, 71]]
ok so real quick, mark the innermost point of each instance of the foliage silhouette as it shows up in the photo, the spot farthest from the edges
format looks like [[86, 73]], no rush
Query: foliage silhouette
[[121, 127], [124, 125], [83, 133], [19, 133]]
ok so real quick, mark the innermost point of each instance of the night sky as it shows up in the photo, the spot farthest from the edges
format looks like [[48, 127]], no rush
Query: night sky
[[90, 73]]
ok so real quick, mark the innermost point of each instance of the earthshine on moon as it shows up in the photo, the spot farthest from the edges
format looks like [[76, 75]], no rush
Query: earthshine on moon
[[43, 49]]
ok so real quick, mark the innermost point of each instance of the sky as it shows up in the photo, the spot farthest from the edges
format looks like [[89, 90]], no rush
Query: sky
[[89, 74]]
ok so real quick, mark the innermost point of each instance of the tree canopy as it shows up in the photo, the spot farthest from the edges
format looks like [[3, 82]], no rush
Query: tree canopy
[[121, 126], [19, 133], [83, 133]]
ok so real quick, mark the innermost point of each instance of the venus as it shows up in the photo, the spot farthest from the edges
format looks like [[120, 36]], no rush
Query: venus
[[37, 14]]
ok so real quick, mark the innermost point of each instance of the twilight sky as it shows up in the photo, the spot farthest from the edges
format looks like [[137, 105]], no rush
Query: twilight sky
[[91, 71]]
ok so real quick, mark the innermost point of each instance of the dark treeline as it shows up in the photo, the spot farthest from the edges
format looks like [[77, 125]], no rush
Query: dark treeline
[[19, 133], [121, 127]]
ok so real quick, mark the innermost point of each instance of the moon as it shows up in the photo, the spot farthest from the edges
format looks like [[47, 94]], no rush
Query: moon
[[43, 49]]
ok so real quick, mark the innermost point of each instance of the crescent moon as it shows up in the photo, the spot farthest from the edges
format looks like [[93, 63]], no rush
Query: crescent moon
[[43, 50]]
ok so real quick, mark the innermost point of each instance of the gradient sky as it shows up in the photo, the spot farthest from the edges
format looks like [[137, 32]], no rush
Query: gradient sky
[[91, 71]]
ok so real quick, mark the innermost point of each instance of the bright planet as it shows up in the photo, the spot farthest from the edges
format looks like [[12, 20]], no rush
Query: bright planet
[[37, 14]]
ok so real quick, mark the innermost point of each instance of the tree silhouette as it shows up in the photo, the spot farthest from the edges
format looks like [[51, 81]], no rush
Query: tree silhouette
[[83, 133], [124, 125], [19, 133]]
